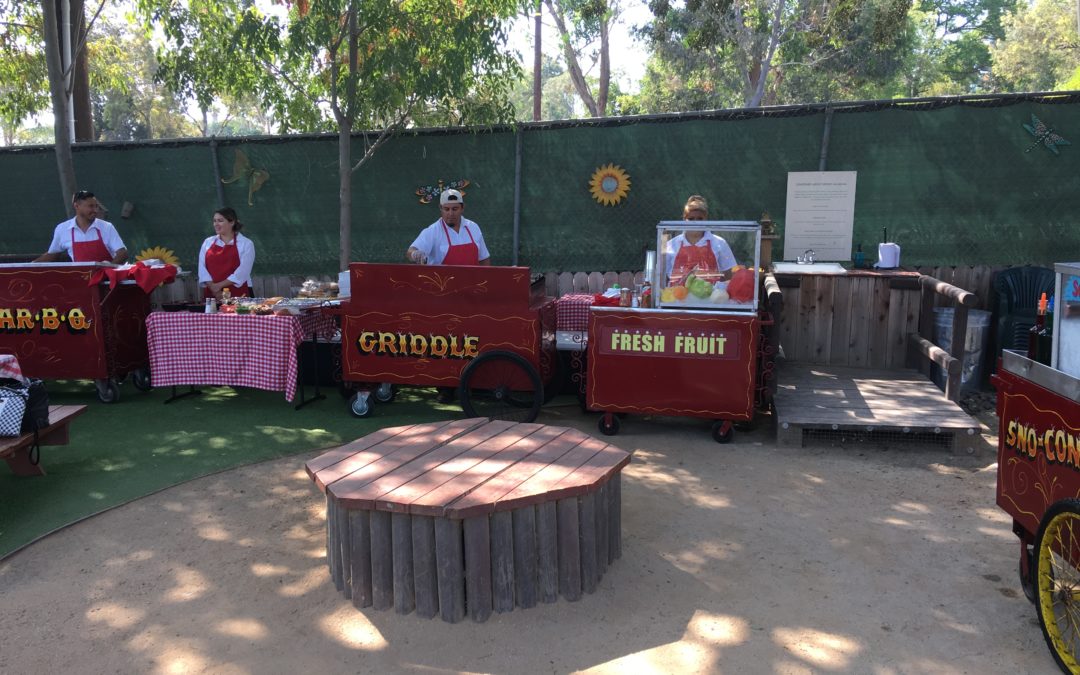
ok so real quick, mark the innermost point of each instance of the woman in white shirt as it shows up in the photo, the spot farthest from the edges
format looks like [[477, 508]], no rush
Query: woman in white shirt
[[225, 259], [699, 251]]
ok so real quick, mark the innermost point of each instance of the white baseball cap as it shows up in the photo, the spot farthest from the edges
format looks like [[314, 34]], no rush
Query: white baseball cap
[[450, 197]]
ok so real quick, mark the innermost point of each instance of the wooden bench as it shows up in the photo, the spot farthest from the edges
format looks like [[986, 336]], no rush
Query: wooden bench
[[469, 516], [16, 449]]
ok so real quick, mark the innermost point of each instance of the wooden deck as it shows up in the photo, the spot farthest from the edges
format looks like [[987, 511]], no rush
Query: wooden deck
[[469, 516], [885, 407]]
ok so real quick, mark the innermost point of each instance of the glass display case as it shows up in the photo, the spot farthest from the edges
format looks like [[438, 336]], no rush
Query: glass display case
[[707, 265], [1065, 354]]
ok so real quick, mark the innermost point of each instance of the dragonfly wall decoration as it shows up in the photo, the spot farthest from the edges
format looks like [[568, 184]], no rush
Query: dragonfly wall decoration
[[429, 193], [1045, 135], [242, 169]]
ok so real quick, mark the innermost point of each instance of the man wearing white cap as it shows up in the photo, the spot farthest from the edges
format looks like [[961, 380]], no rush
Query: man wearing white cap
[[452, 239]]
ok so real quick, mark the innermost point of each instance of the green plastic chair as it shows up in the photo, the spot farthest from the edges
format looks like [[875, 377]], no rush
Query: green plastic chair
[[1018, 290]]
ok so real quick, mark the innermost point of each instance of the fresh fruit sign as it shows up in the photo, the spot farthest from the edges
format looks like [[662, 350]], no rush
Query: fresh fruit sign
[[670, 342]]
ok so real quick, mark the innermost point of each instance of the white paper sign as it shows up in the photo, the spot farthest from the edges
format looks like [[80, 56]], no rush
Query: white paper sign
[[820, 214]]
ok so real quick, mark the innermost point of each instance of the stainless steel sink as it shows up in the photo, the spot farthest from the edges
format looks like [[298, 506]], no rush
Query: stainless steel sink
[[808, 268]]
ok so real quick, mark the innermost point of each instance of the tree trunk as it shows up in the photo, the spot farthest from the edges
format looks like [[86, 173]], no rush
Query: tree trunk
[[605, 70], [537, 63], [84, 111], [572, 65], [62, 142]]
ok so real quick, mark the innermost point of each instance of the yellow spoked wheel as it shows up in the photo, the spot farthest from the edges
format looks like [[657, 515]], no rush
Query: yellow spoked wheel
[[1057, 580]]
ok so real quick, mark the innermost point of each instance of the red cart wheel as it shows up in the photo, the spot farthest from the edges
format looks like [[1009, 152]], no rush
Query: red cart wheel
[[501, 385], [722, 431], [1057, 578], [609, 424]]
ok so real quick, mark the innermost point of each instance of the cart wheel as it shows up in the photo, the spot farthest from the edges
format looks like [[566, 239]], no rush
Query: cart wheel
[[385, 392], [141, 379], [361, 404], [107, 391], [1057, 579], [609, 424], [1027, 581], [722, 431], [501, 385]]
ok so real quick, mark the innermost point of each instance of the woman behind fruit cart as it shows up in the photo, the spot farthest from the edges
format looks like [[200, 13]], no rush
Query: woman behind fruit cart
[[225, 259], [696, 250]]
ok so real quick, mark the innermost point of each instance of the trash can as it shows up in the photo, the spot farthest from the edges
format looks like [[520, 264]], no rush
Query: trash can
[[978, 328]]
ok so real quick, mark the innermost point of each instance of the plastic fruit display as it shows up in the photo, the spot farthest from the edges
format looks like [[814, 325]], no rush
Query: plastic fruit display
[[680, 292], [741, 287]]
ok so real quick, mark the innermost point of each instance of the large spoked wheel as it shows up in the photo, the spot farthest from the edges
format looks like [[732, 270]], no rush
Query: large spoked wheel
[[501, 385], [141, 379], [107, 390], [361, 404], [1057, 581]]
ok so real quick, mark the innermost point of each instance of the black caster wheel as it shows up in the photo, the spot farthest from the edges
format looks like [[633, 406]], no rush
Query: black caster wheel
[[107, 391], [384, 393], [141, 379], [722, 431], [609, 424], [361, 404]]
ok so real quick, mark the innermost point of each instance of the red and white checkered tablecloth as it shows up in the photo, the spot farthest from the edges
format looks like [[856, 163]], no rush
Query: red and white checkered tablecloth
[[572, 311], [317, 325], [9, 367], [239, 350]]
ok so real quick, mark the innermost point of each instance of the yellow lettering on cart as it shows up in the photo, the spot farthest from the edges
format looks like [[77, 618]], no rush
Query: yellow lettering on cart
[[1059, 445], [50, 320], [472, 346], [439, 346], [386, 343], [624, 342], [1022, 440], [24, 320], [77, 320], [366, 342], [1048, 443], [418, 345], [1010, 434], [455, 351], [7, 322], [1071, 450]]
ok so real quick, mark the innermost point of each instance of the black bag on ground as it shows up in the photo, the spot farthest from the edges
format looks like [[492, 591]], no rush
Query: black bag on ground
[[37, 407]]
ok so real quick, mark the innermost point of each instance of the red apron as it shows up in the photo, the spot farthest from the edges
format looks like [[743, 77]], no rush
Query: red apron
[[461, 254], [221, 261], [690, 257], [89, 251]]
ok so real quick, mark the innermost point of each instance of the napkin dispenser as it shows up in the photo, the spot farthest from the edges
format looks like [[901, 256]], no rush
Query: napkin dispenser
[[888, 256]]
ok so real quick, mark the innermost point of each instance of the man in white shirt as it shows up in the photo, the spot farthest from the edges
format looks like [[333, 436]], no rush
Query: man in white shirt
[[85, 238], [452, 239]]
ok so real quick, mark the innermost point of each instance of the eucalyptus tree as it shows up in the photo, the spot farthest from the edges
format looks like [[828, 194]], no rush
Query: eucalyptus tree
[[349, 65], [584, 28]]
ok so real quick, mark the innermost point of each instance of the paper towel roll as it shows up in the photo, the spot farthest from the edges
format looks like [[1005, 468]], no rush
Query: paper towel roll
[[888, 255]]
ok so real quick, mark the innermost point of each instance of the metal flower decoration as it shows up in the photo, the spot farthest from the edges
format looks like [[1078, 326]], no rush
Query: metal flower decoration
[[609, 184], [429, 193], [159, 253]]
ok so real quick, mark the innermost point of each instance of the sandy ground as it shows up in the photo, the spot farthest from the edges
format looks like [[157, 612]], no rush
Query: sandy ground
[[736, 559]]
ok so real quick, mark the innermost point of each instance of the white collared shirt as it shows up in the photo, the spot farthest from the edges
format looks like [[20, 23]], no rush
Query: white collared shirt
[[244, 246], [103, 229], [432, 240]]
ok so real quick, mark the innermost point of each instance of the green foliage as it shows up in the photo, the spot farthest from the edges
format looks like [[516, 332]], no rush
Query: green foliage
[[24, 89], [1041, 49]]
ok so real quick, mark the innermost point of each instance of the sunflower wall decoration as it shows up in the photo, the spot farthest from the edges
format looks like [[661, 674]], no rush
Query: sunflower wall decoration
[[609, 184], [159, 253]]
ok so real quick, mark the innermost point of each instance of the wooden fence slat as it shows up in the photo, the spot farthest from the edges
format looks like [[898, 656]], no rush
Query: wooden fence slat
[[859, 328], [581, 282], [840, 344], [449, 562], [877, 347], [525, 567]]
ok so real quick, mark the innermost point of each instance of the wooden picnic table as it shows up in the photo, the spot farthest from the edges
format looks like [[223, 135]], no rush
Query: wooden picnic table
[[470, 515]]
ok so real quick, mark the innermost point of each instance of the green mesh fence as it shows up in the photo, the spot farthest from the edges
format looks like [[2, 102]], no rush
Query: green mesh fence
[[955, 181]]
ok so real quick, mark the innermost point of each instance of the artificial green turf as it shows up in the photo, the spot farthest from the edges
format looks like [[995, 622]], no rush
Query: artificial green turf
[[128, 449]]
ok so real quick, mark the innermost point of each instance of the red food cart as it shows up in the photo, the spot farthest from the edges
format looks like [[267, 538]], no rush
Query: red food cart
[[487, 331], [696, 353], [62, 323], [1038, 481]]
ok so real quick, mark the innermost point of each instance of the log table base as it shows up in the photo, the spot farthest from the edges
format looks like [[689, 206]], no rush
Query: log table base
[[470, 516]]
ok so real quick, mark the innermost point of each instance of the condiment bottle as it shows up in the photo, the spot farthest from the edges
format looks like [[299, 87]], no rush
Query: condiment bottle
[[625, 298], [226, 296], [859, 258], [1033, 332], [1044, 347]]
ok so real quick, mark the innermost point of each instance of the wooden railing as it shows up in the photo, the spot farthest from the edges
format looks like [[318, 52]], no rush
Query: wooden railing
[[922, 341]]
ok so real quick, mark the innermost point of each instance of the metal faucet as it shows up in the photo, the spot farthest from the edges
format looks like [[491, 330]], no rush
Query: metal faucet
[[807, 258]]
